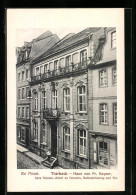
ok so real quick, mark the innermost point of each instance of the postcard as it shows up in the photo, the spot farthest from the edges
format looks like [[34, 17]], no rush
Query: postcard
[[66, 102]]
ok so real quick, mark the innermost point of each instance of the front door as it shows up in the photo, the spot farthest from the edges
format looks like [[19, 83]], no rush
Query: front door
[[53, 139]]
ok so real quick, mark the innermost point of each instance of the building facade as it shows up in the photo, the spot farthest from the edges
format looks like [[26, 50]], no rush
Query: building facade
[[73, 107]]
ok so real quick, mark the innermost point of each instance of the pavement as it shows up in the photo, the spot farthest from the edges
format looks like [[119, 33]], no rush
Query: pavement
[[32, 156]]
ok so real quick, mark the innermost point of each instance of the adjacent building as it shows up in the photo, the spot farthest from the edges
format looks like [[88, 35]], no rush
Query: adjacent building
[[73, 100]]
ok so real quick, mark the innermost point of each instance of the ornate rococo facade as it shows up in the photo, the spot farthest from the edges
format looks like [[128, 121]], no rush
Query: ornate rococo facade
[[72, 101]]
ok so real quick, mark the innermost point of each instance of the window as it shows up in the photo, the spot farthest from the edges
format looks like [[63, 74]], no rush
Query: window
[[23, 75], [103, 114], [44, 133], [114, 76], [54, 99], [83, 56], [23, 112], [81, 99], [18, 111], [26, 73], [41, 70], [37, 71], [115, 114], [66, 143], [68, 60], [82, 142], [56, 65], [45, 68], [22, 135], [23, 93], [19, 93], [35, 131], [19, 76], [61, 62], [67, 100], [75, 58], [27, 92], [103, 153], [113, 40], [103, 78], [91, 49], [36, 101], [44, 99], [27, 112], [18, 132]]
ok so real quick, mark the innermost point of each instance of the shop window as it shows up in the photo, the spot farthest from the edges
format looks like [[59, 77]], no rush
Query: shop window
[[66, 138], [103, 155], [67, 100]]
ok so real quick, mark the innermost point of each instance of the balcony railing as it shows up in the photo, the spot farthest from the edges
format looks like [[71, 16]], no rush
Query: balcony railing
[[61, 71], [51, 113]]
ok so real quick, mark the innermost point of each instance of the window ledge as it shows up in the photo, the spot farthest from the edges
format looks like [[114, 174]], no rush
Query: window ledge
[[82, 157], [35, 140], [44, 144], [81, 113], [113, 48], [66, 151], [104, 124]]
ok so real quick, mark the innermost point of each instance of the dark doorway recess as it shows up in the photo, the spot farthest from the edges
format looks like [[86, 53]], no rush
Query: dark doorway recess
[[53, 139]]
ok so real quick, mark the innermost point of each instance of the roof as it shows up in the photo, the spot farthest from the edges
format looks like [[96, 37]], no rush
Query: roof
[[42, 44], [68, 41]]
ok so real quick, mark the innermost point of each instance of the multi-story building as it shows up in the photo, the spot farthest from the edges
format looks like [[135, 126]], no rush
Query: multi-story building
[[73, 100], [102, 103], [25, 54]]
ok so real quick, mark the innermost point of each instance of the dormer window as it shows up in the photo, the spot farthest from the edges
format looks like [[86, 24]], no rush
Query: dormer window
[[113, 39]]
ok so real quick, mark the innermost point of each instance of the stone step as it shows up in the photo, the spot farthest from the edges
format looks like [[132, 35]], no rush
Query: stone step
[[50, 162]]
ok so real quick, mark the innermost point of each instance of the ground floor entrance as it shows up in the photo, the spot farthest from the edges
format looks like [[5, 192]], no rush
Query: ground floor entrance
[[53, 139]]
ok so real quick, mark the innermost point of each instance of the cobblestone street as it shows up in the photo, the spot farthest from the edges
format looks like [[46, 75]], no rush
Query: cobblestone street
[[23, 162]]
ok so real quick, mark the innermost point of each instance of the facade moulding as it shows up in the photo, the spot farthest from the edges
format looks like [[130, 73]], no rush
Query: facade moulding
[[94, 133], [101, 65]]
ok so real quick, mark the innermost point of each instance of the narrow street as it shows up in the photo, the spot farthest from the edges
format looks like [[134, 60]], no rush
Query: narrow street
[[23, 162]]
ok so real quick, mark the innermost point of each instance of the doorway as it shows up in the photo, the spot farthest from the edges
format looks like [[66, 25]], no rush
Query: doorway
[[53, 139]]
